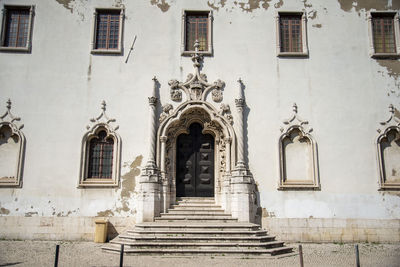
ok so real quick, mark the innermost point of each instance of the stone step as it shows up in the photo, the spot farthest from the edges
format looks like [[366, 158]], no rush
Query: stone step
[[196, 212], [197, 208], [180, 251], [198, 217], [185, 245], [195, 205], [194, 225], [195, 200], [223, 233], [196, 238]]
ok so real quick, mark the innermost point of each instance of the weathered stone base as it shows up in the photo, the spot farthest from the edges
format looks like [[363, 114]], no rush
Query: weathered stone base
[[302, 230], [59, 228], [333, 229]]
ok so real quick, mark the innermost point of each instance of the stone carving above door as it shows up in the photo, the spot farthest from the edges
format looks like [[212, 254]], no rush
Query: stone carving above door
[[196, 86]]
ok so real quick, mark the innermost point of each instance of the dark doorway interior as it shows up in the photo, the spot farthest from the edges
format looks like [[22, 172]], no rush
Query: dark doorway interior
[[195, 164]]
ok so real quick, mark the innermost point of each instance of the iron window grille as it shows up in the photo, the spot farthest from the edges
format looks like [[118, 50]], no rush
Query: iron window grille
[[384, 34], [196, 25], [291, 34], [16, 28], [101, 156], [107, 35]]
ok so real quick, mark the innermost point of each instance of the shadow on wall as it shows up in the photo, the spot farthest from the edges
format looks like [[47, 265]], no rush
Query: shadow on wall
[[111, 232]]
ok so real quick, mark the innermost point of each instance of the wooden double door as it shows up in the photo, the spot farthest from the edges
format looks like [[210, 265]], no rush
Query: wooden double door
[[195, 164]]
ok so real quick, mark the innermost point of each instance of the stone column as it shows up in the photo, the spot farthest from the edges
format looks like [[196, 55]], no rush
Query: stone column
[[164, 178], [148, 188], [242, 185], [226, 182]]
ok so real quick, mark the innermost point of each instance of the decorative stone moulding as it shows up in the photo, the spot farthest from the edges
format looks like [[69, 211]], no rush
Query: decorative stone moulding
[[388, 152], [12, 149], [298, 157], [196, 86], [96, 125]]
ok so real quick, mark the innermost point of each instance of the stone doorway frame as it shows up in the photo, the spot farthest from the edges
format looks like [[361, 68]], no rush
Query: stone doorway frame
[[224, 146]]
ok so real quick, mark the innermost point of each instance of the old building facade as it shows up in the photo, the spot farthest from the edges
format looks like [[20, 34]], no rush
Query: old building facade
[[285, 112]]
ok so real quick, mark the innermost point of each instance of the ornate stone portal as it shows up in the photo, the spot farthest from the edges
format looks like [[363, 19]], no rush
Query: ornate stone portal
[[234, 185]]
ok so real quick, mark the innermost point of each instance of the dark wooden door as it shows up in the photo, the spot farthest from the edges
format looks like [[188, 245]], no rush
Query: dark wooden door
[[195, 164]]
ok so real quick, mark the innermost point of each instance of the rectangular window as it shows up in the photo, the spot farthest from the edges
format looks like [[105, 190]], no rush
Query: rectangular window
[[384, 34], [107, 31], [291, 34], [196, 29], [196, 25], [16, 30]]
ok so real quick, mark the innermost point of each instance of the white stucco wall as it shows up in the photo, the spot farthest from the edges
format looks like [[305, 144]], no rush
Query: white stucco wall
[[339, 89]]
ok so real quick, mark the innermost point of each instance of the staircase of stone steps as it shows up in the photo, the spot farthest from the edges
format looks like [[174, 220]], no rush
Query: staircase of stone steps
[[197, 226]]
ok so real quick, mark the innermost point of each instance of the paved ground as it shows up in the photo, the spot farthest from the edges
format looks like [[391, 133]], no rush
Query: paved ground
[[41, 253]]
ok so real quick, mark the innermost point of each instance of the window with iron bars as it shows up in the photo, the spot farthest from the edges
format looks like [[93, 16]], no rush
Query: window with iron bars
[[290, 33], [383, 33], [16, 29], [197, 29], [101, 156], [107, 37], [197, 25]]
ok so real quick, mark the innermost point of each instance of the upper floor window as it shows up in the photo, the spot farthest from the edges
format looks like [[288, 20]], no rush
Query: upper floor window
[[196, 25], [384, 34], [107, 36], [16, 29], [291, 34]]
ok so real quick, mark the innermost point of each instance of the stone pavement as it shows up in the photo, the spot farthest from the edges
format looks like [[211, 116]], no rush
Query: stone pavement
[[41, 253]]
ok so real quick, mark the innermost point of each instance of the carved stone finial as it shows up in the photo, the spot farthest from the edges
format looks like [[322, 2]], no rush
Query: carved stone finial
[[196, 46], [102, 119], [393, 120], [240, 89], [295, 108], [153, 94], [196, 57], [296, 120], [8, 104]]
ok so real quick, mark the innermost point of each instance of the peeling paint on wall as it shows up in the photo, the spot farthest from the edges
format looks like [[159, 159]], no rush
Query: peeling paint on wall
[[317, 25], [216, 5], [279, 4], [4, 211], [252, 5], [29, 214], [127, 189], [161, 4], [392, 66], [347, 5], [66, 4]]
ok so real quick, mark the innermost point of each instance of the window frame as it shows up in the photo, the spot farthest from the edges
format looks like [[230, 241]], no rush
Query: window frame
[[209, 14], [396, 26], [304, 39], [119, 50], [112, 181], [28, 45]]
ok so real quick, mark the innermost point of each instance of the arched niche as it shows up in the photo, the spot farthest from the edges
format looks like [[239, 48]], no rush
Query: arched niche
[[388, 146], [12, 144], [298, 156]]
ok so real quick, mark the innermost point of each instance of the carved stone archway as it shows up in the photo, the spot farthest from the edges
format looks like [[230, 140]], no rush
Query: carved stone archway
[[214, 123]]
